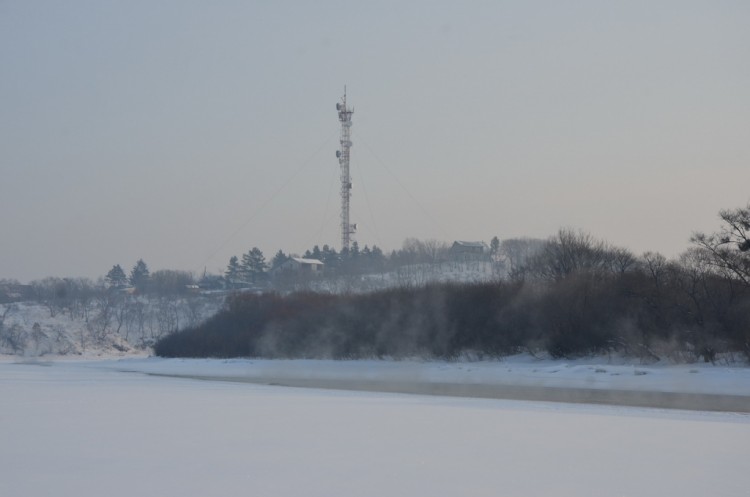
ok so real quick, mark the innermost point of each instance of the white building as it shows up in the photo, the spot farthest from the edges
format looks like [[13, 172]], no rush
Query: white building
[[301, 266]]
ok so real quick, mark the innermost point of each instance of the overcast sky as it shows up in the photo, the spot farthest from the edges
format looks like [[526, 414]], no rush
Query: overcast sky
[[185, 132]]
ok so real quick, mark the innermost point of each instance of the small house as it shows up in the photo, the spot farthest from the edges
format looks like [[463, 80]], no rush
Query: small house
[[469, 250], [301, 266]]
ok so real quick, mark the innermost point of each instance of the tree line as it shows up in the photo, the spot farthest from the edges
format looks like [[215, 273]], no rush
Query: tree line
[[252, 269], [415, 263], [572, 295], [120, 312]]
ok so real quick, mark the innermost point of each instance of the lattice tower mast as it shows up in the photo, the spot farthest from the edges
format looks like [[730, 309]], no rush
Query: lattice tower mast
[[345, 117]]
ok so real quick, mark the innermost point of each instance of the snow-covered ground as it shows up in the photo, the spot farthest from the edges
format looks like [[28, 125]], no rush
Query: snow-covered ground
[[521, 370], [71, 428], [122, 325], [602, 380]]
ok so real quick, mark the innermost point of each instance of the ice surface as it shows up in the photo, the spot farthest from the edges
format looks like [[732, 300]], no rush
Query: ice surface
[[72, 429]]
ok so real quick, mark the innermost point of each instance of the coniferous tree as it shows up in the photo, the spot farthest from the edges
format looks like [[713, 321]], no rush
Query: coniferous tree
[[245, 267], [279, 259], [259, 261], [316, 253], [253, 265], [329, 256], [377, 258], [366, 262], [139, 275], [232, 274], [116, 277], [377, 252], [494, 247]]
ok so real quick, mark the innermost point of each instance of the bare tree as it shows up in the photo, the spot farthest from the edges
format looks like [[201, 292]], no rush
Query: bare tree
[[433, 251], [6, 311], [730, 247], [51, 292], [106, 303], [566, 253], [516, 251], [620, 260], [12, 336]]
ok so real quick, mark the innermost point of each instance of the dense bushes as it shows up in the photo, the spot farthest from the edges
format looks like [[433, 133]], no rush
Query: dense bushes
[[583, 313], [432, 321], [574, 295]]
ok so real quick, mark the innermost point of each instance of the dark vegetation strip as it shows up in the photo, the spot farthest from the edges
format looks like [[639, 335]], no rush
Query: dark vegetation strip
[[577, 315]]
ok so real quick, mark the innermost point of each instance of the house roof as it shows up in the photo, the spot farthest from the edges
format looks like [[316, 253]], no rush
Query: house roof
[[302, 260], [470, 244]]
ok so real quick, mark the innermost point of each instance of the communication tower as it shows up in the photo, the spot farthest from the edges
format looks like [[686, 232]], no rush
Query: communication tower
[[345, 117]]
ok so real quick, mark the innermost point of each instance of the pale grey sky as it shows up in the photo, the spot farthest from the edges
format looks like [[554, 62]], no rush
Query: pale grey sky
[[184, 132]]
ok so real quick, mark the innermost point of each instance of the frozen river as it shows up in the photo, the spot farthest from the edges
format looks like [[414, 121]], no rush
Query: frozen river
[[77, 428]]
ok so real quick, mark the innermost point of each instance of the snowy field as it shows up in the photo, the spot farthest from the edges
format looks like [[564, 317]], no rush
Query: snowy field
[[90, 428]]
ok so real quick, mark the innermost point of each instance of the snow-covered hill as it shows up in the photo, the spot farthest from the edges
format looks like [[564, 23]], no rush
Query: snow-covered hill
[[120, 324]]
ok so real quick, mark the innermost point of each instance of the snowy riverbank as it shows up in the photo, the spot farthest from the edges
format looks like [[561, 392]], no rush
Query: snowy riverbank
[[594, 380], [522, 370]]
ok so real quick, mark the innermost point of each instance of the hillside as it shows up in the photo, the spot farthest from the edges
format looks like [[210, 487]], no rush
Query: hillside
[[112, 324]]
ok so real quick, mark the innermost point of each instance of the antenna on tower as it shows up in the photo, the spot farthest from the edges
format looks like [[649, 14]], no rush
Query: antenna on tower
[[345, 117]]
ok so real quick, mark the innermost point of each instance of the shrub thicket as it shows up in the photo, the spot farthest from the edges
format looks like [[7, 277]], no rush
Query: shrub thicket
[[574, 295], [579, 314]]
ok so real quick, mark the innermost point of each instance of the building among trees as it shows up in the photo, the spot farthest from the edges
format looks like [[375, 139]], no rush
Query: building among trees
[[301, 266], [461, 250]]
